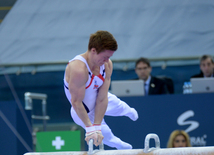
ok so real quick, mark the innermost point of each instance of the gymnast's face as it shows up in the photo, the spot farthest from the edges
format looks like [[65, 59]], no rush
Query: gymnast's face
[[179, 141], [102, 57]]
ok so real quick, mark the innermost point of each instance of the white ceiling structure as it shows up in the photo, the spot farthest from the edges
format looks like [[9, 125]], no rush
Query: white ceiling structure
[[46, 33]]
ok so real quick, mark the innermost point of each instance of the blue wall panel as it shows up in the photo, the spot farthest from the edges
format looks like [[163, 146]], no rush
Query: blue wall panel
[[9, 143], [159, 114]]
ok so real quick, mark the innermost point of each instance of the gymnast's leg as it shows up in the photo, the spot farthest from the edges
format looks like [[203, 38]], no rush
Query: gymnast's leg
[[109, 138], [117, 107]]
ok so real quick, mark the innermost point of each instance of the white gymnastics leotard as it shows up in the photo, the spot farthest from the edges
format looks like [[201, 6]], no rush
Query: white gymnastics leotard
[[115, 107]]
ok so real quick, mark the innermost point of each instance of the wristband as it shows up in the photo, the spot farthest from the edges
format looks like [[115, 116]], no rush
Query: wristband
[[97, 127], [89, 129]]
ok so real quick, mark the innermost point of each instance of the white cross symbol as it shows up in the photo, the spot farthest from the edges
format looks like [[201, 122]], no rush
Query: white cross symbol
[[58, 143]]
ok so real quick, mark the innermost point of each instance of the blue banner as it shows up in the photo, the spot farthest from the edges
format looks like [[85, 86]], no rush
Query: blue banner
[[163, 114]]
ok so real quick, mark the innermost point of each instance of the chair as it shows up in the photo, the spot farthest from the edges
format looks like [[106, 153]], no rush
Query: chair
[[168, 81]]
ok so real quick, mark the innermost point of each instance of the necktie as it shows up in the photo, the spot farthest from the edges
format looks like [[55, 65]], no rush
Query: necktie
[[145, 88]]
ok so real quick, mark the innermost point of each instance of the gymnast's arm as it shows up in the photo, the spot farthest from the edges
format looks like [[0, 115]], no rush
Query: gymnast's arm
[[102, 97], [76, 76]]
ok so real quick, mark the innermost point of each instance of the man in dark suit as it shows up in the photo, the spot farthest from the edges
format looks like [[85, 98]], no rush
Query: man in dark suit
[[153, 85], [206, 66]]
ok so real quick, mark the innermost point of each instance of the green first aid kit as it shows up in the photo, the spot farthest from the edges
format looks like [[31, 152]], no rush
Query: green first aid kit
[[58, 141]]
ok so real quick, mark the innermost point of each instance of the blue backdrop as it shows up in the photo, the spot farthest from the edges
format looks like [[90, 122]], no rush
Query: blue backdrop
[[159, 114], [9, 143]]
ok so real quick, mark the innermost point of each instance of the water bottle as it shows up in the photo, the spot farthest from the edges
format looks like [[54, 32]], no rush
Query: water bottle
[[190, 87], [185, 86]]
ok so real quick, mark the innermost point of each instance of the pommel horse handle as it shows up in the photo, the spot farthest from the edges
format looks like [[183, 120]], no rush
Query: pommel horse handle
[[91, 150], [157, 143]]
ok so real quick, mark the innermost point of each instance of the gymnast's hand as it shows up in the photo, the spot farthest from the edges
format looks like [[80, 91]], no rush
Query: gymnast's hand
[[99, 137], [94, 132]]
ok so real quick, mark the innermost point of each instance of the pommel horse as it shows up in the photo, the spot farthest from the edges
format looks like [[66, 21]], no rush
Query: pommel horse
[[146, 151]]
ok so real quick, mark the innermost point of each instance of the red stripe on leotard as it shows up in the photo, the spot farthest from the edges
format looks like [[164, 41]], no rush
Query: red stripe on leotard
[[101, 77], [90, 81]]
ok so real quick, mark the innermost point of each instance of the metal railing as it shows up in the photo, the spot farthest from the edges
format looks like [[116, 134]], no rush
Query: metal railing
[[113, 60], [29, 106]]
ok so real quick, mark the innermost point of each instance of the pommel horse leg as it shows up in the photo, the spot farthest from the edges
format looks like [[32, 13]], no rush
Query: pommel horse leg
[[91, 150], [146, 143]]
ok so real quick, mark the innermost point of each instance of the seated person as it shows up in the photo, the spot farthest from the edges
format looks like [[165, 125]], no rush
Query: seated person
[[178, 138], [153, 85], [206, 66]]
